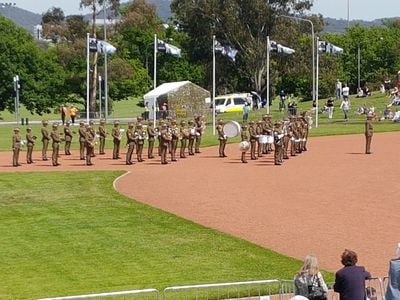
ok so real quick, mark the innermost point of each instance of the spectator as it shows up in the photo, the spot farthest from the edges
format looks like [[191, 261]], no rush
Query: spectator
[[345, 106], [164, 110], [387, 84], [73, 111], [396, 117], [146, 111], [309, 277], [329, 107], [388, 113], [338, 89], [393, 288], [63, 112], [382, 89], [292, 107], [398, 80], [350, 280], [282, 104], [345, 91], [246, 110], [360, 93]]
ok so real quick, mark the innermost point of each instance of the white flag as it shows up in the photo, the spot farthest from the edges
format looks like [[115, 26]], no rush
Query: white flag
[[105, 47], [278, 48], [226, 50], [167, 48], [325, 47], [101, 47]]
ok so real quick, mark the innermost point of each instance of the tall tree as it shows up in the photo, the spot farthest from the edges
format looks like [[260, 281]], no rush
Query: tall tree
[[95, 6], [42, 79], [243, 24]]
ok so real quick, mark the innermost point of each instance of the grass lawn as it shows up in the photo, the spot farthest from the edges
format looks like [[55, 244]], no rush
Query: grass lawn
[[66, 233]]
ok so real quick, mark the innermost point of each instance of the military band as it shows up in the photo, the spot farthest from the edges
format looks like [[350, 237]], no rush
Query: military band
[[68, 138], [56, 140], [16, 146], [288, 136], [30, 142], [82, 140], [45, 139], [140, 137], [116, 135], [102, 136]]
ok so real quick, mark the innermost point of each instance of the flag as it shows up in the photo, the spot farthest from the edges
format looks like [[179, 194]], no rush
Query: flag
[[101, 47], [105, 47], [226, 50], [167, 48], [325, 47], [278, 48]]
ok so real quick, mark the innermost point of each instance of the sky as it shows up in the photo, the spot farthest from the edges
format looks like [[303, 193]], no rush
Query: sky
[[359, 9]]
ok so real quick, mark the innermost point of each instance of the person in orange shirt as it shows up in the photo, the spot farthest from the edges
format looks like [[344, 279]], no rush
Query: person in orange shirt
[[73, 111]]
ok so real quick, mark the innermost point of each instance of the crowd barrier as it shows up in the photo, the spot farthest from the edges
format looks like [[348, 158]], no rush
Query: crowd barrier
[[133, 294], [271, 289]]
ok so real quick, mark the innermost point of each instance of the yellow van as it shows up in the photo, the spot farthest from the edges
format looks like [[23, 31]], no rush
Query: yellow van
[[232, 102]]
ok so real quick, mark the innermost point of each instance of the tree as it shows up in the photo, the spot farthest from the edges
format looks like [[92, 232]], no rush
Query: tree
[[53, 24], [42, 79], [95, 5], [242, 24]]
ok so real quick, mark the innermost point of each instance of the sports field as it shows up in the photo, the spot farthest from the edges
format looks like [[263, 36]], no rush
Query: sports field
[[66, 231]]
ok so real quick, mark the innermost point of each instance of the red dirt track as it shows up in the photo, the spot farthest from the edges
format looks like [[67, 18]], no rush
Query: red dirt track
[[327, 199]]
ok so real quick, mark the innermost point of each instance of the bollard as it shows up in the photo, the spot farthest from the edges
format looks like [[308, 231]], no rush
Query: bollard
[[27, 121], [22, 121]]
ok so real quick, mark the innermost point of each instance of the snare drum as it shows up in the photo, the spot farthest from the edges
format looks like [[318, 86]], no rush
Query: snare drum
[[270, 139], [263, 139], [232, 129], [244, 146]]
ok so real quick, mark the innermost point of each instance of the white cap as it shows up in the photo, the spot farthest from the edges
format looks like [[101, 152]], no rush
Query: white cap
[[398, 250]]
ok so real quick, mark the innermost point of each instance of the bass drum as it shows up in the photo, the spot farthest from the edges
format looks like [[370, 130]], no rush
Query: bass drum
[[232, 129], [244, 146]]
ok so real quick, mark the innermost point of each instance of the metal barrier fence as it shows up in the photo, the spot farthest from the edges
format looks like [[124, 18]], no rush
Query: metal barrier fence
[[258, 289], [133, 294], [272, 289]]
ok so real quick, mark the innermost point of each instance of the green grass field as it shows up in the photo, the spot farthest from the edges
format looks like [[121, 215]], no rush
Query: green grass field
[[67, 233]]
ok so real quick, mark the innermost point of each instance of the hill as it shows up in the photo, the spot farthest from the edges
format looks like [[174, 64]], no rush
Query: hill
[[20, 16]]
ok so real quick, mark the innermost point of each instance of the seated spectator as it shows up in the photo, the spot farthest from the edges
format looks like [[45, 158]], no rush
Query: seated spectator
[[396, 99], [396, 117], [382, 89], [393, 288], [367, 91], [360, 93], [309, 278], [388, 113]]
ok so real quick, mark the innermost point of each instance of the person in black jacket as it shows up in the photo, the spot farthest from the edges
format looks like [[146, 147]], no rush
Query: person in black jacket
[[350, 280]]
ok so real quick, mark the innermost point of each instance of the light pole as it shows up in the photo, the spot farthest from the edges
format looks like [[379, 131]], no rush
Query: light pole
[[100, 96], [105, 65], [348, 13], [16, 99], [313, 54]]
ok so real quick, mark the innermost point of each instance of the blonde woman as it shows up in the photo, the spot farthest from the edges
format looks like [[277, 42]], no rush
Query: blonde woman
[[309, 281]]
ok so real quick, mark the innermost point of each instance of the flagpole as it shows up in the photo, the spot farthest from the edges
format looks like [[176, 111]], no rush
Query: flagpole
[[87, 76], [105, 67], [268, 74], [213, 87], [155, 80], [316, 85]]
